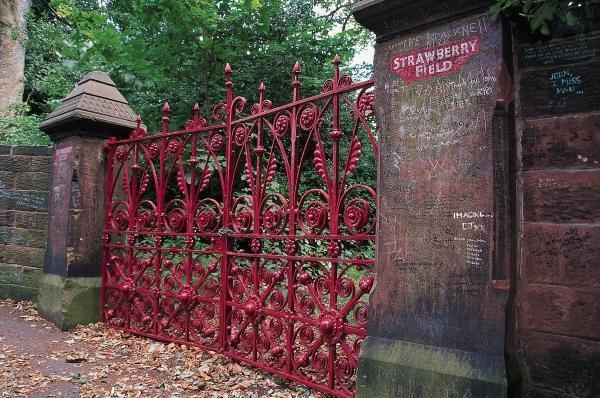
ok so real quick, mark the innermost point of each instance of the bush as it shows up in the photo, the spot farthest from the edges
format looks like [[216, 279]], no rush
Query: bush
[[22, 128]]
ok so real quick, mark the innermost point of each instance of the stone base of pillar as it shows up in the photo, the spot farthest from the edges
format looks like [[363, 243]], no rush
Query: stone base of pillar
[[68, 302], [392, 368]]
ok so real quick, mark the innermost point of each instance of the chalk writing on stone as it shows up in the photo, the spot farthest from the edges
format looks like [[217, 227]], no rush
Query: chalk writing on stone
[[570, 51], [566, 83], [557, 243], [25, 200], [437, 214]]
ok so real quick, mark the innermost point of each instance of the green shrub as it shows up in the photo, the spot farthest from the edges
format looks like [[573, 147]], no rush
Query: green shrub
[[22, 128]]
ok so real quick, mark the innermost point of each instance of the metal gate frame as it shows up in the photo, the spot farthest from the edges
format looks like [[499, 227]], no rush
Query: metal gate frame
[[281, 285]]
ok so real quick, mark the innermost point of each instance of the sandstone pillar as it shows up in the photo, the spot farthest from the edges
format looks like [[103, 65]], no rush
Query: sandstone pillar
[[70, 284], [443, 103]]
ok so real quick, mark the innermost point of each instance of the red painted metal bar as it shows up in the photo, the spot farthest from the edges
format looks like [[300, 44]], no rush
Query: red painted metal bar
[[252, 236]]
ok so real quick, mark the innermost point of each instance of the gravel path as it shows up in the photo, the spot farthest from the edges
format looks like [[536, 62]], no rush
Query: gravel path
[[38, 360]]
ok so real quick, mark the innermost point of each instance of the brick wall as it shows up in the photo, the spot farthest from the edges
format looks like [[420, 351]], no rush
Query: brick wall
[[24, 184], [557, 309]]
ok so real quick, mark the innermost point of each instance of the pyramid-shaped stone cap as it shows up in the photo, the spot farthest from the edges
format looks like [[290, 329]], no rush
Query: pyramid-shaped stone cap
[[94, 107]]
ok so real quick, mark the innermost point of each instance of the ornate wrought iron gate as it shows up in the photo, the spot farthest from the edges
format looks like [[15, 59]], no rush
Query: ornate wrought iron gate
[[252, 236]]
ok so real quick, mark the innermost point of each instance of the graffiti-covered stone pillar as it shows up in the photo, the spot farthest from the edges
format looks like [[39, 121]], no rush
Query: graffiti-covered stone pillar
[[70, 284], [443, 103]]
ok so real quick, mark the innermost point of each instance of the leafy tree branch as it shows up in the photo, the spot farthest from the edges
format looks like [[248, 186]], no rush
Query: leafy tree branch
[[540, 13]]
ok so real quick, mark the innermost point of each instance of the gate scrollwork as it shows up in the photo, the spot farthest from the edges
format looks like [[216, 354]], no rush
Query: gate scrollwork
[[253, 236]]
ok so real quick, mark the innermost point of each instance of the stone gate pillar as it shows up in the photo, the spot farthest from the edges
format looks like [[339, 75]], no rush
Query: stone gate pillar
[[70, 284], [443, 103]]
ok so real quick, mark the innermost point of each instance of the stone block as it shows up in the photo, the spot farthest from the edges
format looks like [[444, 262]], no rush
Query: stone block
[[561, 90], [538, 392], [21, 293], [14, 163], [33, 181], [13, 236], [10, 273], [19, 237], [7, 217], [32, 150], [390, 368], [5, 149], [7, 179], [558, 52], [40, 163], [26, 256], [5, 203], [37, 238], [567, 366], [5, 234], [561, 196], [31, 220], [31, 277], [68, 302], [560, 310], [565, 142], [3, 291], [561, 255], [24, 200]]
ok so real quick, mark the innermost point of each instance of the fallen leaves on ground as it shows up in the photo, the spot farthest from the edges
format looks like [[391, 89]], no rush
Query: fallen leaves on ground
[[111, 363]]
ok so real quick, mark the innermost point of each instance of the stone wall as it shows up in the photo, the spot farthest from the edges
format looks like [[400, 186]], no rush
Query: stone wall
[[557, 306], [547, 232], [24, 184]]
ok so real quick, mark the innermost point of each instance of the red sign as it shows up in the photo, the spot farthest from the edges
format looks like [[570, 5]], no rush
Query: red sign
[[442, 60]]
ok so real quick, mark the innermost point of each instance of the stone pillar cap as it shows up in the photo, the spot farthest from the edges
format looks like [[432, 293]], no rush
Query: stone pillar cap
[[388, 18], [94, 107]]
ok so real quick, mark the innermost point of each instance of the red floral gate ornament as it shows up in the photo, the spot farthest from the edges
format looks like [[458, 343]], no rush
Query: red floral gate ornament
[[252, 235]]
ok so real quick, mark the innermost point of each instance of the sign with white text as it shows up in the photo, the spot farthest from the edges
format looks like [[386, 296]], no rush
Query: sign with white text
[[442, 60]]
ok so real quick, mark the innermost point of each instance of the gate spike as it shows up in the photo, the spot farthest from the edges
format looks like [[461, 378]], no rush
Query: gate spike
[[261, 101], [196, 110], [227, 72], [165, 118], [228, 83], [261, 94], [336, 70], [296, 82]]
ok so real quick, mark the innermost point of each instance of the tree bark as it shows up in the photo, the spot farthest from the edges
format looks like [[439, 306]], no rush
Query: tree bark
[[12, 52]]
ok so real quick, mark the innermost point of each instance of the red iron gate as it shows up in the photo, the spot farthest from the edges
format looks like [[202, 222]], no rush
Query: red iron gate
[[253, 235]]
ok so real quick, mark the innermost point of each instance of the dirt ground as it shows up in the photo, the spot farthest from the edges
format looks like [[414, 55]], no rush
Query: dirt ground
[[38, 360]]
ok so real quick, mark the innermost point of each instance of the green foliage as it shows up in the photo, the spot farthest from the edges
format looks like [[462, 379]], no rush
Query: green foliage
[[49, 75], [21, 129], [540, 13], [164, 50], [167, 50]]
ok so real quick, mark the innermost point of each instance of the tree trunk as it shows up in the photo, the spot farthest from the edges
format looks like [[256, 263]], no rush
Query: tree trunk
[[12, 51]]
